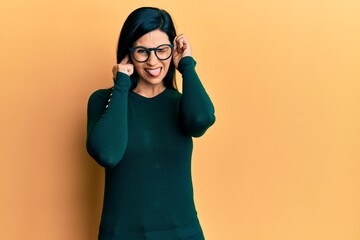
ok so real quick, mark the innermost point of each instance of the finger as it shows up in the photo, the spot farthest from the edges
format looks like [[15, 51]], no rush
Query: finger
[[177, 45], [177, 39], [180, 35], [174, 43], [183, 43], [182, 46], [178, 42], [126, 60]]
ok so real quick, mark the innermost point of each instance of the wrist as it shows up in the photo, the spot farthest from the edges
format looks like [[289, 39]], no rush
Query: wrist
[[186, 62], [122, 80]]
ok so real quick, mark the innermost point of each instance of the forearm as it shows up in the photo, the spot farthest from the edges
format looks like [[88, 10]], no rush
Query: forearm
[[107, 124], [196, 107]]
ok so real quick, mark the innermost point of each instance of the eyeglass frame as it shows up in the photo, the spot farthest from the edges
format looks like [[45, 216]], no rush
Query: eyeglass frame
[[148, 50]]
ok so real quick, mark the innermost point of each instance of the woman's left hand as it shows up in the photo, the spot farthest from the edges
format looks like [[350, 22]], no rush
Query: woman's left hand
[[182, 48]]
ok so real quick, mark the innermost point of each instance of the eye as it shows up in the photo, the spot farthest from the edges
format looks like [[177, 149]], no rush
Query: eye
[[163, 49], [141, 51]]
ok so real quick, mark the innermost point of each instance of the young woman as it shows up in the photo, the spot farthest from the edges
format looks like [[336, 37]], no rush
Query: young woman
[[141, 131]]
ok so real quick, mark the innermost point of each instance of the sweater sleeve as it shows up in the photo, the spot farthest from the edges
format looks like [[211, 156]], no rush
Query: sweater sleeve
[[196, 109], [107, 126]]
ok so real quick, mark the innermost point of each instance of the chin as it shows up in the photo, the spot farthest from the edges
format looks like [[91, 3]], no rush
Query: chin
[[155, 81]]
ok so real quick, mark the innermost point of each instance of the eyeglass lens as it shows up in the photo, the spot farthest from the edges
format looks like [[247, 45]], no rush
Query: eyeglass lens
[[162, 52]]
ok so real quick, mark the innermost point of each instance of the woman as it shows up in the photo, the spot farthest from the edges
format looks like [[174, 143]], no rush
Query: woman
[[141, 131]]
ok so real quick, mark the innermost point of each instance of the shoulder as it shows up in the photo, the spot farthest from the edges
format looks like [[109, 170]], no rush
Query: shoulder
[[99, 98]]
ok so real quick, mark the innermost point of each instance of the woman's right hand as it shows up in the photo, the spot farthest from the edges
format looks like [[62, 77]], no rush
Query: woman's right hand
[[125, 66]]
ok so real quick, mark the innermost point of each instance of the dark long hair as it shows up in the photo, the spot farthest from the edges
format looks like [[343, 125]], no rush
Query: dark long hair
[[140, 22]]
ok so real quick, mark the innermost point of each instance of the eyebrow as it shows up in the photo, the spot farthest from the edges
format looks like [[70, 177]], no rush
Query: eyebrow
[[152, 47]]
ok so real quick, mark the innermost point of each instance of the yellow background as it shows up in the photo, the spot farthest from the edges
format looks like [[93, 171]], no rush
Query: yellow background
[[281, 162]]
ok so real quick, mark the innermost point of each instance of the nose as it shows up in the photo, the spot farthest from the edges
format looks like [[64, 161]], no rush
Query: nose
[[152, 60]]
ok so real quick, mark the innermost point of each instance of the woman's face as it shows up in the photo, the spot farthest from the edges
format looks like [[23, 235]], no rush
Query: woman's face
[[153, 70]]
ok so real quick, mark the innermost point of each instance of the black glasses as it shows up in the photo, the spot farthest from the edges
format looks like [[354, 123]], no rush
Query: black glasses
[[142, 54]]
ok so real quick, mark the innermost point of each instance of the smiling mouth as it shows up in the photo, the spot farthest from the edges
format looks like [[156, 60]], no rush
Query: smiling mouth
[[154, 72]]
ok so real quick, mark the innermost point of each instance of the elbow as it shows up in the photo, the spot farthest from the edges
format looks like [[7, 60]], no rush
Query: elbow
[[106, 161], [103, 157], [197, 126]]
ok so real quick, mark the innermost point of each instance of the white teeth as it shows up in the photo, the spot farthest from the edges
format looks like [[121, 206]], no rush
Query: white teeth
[[154, 72]]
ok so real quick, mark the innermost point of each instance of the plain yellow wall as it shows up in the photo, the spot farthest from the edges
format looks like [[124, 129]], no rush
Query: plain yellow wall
[[281, 162]]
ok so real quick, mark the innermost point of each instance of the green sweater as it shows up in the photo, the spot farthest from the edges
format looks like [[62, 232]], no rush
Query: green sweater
[[145, 145]]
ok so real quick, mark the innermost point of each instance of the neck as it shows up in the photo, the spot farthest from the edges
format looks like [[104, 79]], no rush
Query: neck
[[149, 91]]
